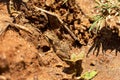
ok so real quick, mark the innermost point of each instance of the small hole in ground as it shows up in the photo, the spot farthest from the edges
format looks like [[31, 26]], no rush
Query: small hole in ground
[[45, 48]]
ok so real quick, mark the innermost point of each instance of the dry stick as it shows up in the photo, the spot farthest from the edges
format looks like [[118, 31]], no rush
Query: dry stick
[[3, 29], [55, 15], [15, 25], [21, 27]]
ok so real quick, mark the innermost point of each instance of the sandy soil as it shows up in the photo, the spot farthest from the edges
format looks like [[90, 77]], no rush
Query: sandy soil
[[38, 53]]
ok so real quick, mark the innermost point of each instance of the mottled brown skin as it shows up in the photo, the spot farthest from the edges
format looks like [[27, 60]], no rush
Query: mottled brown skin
[[61, 48]]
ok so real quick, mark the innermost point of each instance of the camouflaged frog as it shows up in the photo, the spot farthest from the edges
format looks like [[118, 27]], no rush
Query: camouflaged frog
[[61, 48]]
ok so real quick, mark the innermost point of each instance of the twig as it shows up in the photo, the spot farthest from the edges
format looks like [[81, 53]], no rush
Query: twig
[[14, 25], [63, 24], [21, 27], [3, 28]]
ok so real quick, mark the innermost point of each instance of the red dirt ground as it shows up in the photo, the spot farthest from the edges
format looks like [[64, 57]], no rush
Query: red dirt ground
[[26, 57]]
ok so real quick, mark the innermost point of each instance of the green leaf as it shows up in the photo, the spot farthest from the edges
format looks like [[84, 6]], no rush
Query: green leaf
[[96, 17], [75, 57], [93, 26], [95, 23], [88, 75]]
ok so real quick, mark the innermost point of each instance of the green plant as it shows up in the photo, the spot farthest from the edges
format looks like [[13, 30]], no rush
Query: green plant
[[75, 57], [74, 64], [105, 9], [88, 75]]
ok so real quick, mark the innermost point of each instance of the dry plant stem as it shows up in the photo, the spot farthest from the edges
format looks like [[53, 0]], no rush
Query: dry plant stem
[[21, 27], [63, 24], [3, 29]]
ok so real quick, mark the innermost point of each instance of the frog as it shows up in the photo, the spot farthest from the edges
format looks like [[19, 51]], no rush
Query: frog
[[61, 48]]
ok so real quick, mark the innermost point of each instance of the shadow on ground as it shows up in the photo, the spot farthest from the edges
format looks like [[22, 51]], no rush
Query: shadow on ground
[[107, 39], [74, 68], [4, 1]]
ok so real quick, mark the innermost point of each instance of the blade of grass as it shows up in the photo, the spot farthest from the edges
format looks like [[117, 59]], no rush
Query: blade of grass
[[95, 24], [64, 1]]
